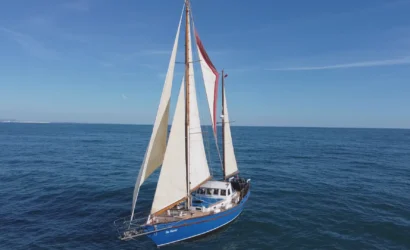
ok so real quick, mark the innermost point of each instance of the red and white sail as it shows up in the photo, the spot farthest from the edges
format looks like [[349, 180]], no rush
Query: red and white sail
[[210, 76]]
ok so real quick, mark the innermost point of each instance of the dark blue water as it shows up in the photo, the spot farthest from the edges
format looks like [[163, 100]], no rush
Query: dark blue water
[[62, 186]]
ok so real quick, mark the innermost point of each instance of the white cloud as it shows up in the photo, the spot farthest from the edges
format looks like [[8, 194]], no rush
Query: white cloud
[[385, 62], [29, 44]]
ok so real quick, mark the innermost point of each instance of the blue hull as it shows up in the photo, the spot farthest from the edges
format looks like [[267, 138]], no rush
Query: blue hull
[[182, 230]]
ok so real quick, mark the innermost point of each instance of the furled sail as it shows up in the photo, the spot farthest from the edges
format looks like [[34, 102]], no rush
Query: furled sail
[[210, 76], [231, 167], [171, 186], [157, 145]]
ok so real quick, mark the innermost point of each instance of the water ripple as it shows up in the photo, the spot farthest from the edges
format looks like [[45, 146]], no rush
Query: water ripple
[[62, 186]]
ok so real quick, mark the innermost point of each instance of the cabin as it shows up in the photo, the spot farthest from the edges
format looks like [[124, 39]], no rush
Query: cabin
[[213, 196], [210, 198]]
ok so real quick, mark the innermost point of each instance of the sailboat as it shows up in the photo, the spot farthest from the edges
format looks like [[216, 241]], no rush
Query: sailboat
[[188, 200]]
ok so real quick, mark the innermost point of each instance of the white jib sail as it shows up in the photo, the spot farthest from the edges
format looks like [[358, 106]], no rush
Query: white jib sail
[[171, 186], [231, 166], [157, 145]]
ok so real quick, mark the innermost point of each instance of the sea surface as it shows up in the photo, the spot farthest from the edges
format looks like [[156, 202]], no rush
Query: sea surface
[[63, 185]]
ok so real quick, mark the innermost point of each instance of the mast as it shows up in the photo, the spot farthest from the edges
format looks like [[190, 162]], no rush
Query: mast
[[223, 125], [187, 102]]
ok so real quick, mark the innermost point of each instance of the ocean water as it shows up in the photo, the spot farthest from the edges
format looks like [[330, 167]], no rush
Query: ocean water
[[62, 186]]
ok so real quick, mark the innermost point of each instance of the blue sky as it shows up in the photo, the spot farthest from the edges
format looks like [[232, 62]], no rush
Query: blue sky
[[290, 63]]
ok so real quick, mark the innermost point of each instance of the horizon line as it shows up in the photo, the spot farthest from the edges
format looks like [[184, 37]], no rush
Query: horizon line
[[244, 125]]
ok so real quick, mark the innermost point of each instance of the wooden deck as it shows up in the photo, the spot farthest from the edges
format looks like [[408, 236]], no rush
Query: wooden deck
[[164, 218], [182, 214]]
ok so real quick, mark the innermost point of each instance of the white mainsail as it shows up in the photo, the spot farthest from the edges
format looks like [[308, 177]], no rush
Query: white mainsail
[[198, 164], [172, 186], [157, 145], [231, 166], [210, 76]]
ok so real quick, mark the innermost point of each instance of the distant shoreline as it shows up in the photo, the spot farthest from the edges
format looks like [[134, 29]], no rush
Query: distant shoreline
[[207, 125], [11, 121]]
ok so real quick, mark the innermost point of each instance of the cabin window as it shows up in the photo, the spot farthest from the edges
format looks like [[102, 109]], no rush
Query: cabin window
[[229, 192], [209, 191], [216, 191], [223, 192], [201, 191]]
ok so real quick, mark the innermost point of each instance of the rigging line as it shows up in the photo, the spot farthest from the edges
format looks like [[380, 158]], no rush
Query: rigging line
[[215, 135]]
